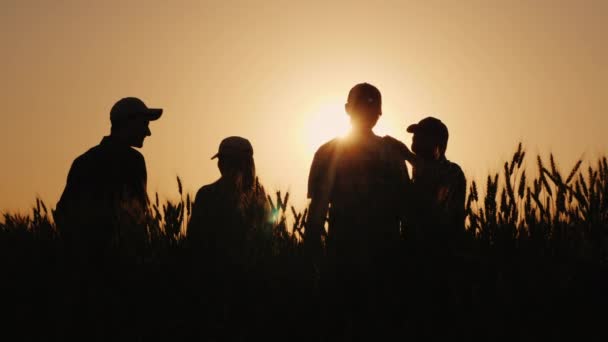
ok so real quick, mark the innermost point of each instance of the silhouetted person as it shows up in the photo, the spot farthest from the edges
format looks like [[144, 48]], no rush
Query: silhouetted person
[[435, 227], [230, 217], [226, 212], [361, 180], [439, 185], [104, 206], [105, 198]]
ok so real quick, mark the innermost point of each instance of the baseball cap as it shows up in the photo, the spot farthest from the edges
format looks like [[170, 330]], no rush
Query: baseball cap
[[431, 126], [364, 93], [131, 108], [234, 146]]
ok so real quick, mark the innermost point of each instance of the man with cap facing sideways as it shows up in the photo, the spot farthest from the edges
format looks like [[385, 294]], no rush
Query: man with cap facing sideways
[[105, 196], [436, 209], [439, 185], [360, 180]]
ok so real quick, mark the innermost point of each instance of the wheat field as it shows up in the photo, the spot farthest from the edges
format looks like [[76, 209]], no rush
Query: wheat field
[[532, 264]]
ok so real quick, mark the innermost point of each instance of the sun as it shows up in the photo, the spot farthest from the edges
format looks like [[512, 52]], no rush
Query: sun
[[328, 121], [324, 123]]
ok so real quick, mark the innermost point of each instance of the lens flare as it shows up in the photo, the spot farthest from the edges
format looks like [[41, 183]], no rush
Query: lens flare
[[325, 123]]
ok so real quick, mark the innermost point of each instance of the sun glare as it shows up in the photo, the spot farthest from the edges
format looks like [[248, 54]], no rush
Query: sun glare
[[328, 121], [325, 123]]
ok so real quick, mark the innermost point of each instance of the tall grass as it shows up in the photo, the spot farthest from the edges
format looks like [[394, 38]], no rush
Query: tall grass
[[532, 264], [567, 214]]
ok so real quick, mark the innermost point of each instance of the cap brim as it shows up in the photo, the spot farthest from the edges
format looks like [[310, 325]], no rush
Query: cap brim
[[412, 128], [154, 113], [215, 155]]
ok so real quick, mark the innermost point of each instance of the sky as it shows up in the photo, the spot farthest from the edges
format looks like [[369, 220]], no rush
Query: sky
[[278, 73]]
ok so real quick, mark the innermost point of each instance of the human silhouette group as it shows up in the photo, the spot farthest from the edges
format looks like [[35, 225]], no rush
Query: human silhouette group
[[363, 201]]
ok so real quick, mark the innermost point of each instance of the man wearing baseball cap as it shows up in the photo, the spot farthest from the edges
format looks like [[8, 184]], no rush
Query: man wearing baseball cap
[[355, 179], [439, 185], [359, 180], [105, 196], [436, 220]]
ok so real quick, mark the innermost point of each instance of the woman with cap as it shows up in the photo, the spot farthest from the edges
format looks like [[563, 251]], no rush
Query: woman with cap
[[230, 217], [229, 212]]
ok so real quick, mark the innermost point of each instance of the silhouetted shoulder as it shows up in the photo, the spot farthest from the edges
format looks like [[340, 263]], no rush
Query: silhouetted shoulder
[[328, 148], [135, 154], [84, 163], [205, 192], [86, 157], [108, 151], [399, 148], [201, 210], [394, 143], [318, 181], [207, 196], [134, 157], [455, 172]]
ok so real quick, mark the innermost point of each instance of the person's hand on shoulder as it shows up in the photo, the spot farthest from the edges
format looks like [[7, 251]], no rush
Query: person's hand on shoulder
[[400, 148]]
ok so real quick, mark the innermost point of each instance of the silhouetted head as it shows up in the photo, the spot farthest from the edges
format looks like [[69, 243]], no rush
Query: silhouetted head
[[364, 106], [130, 119], [235, 161], [430, 139]]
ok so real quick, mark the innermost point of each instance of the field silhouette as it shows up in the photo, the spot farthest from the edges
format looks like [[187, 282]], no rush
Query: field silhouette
[[531, 264]]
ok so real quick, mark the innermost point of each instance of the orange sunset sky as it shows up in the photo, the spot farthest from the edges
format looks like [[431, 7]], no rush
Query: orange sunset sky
[[278, 72]]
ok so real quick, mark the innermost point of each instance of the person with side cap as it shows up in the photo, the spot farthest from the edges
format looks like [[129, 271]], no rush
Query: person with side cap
[[230, 223], [439, 184], [105, 198], [436, 208], [226, 212], [102, 214]]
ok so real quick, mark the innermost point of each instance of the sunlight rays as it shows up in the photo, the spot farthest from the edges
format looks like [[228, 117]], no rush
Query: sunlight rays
[[325, 122]]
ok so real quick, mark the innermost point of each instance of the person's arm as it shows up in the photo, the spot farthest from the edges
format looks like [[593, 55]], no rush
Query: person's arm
[[131, 202], [68, 198], [195, 225], [318, 192], [403, 151], [458, 201], [403, 183], [314, 225], [142, 180], [452, 195]]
